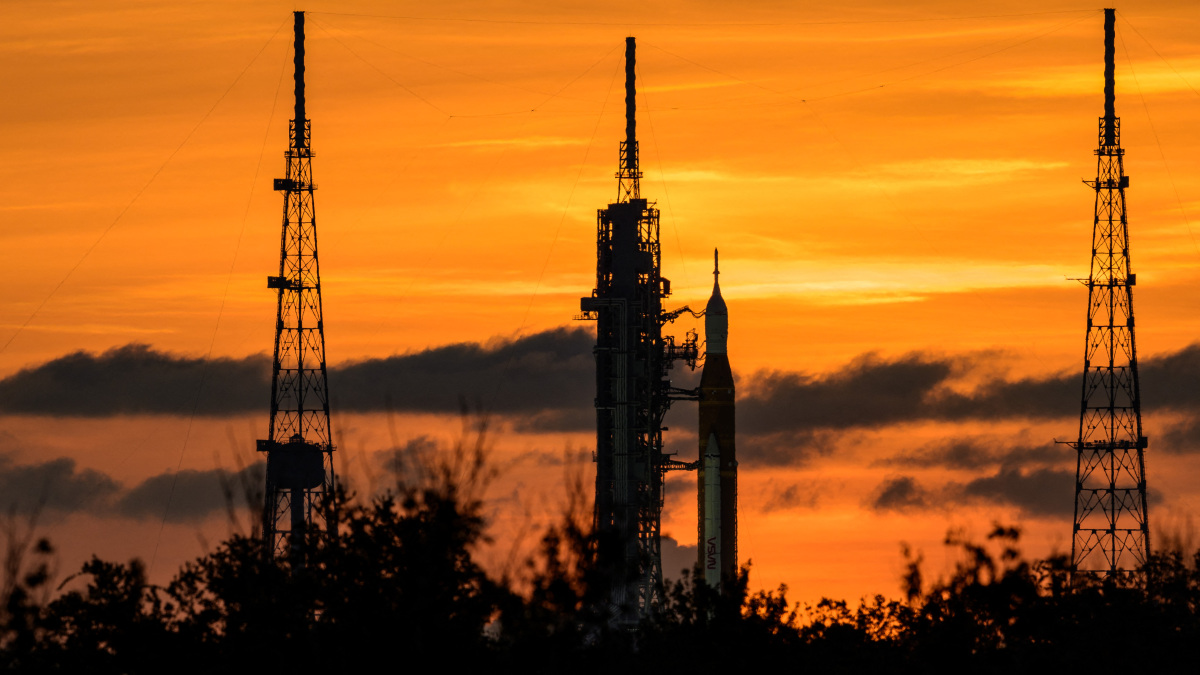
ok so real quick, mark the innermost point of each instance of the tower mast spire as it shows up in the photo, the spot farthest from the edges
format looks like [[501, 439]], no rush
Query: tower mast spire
[[299, 140], [300, 478], [629, 175], [1111, 530]]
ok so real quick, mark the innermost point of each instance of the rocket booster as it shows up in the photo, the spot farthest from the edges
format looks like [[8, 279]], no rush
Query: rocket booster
[[717, 536]]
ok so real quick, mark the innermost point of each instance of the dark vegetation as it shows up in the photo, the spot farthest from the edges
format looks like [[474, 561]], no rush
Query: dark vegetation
[[402, 588]]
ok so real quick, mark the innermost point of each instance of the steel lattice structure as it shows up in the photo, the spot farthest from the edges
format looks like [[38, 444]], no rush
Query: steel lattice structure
[[633, 392], [1111, 533], [299, 446]]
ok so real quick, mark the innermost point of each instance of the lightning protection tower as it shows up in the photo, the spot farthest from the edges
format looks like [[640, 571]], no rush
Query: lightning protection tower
[[299, 449], [632, 389], [1111, 532]]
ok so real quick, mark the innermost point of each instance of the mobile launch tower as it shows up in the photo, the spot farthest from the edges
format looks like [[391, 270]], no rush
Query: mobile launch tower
[[1111, 532], [299, 449], [632, 389]]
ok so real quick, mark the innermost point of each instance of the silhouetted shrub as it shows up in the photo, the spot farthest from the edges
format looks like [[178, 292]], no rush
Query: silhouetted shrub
[[401, 586]]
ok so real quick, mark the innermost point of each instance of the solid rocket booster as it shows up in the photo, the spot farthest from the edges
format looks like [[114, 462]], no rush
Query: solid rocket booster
[[717, 469], [710, 518]]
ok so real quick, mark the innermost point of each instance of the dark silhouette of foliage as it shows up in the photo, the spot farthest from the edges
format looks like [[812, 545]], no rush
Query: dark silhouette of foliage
[[401, 584]]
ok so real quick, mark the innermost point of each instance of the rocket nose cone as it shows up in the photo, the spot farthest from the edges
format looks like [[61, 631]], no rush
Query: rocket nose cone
[[716, 323], [716, 315], [716, 304]]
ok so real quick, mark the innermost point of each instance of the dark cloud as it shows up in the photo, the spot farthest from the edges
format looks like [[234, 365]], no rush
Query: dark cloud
[[798, 496], [676, 557], [899, 493], [1181, 438], [548, 372], [870, 391], [546, 382], [137, 379], [1041, 492], [1053, 397], [550, 421], [681, 446], [1168, 381], [564, 457], [796, 448], [409, 463], [60, 486], [189, 496], [56, 485], [680, 485], [978, 453]]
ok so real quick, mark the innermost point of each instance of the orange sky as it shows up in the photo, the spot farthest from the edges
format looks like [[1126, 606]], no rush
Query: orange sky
[[879, 178]]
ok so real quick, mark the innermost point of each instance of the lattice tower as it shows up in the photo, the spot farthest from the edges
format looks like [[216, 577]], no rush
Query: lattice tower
[[1111, 532], [300, 477]]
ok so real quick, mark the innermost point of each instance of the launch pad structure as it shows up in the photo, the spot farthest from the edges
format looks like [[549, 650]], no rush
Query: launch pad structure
[[1111, 531], [299, 448], [633, 392]]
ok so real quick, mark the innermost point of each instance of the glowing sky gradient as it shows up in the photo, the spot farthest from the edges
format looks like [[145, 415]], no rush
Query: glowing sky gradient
[[880, 178]]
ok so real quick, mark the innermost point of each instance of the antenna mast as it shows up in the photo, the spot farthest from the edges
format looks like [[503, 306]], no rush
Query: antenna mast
[[629, 176], [1111, 531], [299, 446]]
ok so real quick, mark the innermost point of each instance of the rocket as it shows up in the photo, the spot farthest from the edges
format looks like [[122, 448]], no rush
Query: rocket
[[717, 470]]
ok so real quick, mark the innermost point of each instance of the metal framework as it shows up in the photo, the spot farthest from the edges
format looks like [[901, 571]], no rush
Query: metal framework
[[633, 392], [299, 446], [1111, 532]]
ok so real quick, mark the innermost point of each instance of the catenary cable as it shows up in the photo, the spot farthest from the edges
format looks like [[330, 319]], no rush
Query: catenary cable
[[146, 186]]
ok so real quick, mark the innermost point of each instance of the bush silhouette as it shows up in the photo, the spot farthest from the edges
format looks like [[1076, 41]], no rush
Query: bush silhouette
[[401, 584]]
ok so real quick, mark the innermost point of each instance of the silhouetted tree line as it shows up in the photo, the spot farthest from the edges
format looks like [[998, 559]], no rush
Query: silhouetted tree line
[[401, 590]]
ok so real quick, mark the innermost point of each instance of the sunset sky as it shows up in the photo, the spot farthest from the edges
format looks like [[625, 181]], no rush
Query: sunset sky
[[894, 188]]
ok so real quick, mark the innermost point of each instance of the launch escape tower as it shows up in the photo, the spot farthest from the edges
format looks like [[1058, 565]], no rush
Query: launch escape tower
[[1111, 532], [299, 448], [632, 389], [716, 481]]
